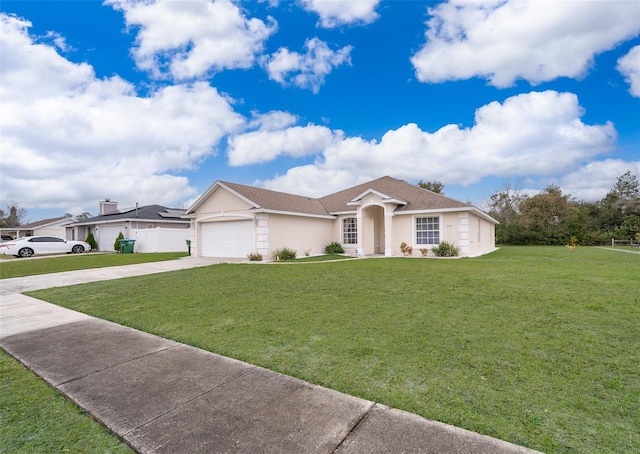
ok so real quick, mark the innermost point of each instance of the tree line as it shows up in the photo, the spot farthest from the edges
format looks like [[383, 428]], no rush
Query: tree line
[[553, 218]]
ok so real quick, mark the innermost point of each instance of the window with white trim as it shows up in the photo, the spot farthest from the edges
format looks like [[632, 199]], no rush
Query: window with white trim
[[428, 230], [349, 231]]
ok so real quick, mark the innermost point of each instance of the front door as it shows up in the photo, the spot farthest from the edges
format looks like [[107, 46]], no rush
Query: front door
[[373, 230]]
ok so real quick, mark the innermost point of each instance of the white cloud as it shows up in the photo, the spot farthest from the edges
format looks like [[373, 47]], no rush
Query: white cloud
[[71, 138], [273, 134], [272, 121], [306, 70], [265, 145], [59, 41], [314, 181], [538, 41], [533, 134], [629, 67], [34, 68], [334, 13], [596, 179], [193, 38]]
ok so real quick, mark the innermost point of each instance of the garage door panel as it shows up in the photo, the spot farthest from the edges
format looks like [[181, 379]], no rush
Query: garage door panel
[[227, 239], [107, 236]]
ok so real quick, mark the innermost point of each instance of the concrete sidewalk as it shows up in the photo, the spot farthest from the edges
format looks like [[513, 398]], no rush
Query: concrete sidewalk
[[160, 396]]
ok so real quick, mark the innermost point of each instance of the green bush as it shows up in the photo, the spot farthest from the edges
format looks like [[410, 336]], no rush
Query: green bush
[[92, 241], [116, 244], [445, 249], [284, 253], [333, 248], [255, 257]]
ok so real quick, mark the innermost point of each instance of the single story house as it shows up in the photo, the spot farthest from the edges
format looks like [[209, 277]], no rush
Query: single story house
[[45, 227], [233, 220], [154, 227]]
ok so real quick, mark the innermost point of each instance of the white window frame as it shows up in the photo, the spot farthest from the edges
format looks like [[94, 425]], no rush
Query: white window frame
[[353, 241], [430, 236]]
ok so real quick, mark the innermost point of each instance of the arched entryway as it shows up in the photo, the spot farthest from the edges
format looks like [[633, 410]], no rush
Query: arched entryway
[[373, 231]]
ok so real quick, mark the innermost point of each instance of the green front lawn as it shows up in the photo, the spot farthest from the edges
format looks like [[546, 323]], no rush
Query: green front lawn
[[35, 418], [17, 267], [627, 248], [538, 346], [321, 258]]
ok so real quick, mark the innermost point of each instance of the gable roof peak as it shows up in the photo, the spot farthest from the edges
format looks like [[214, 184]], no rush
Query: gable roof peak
[[413, 196]]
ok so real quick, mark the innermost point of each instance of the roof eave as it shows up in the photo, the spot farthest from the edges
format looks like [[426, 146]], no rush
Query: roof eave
[[476, 210], [363, 194], [395, 201], [294, 213], [339, 213], [113, 221]]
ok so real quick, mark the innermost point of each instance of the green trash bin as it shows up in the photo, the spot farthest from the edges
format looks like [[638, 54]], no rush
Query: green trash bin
[[189, 246], [126, 246]]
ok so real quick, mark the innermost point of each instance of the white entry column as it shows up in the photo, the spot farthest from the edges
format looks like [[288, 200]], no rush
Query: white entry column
[[360, 233], [388, 231]]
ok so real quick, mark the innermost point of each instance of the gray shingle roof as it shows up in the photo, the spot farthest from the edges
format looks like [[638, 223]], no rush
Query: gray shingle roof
[[33, 225], [278, 201], [145, 213], [416, 197]]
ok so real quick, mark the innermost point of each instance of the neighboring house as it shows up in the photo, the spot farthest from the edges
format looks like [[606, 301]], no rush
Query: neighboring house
[[46, 227], [232, 220], [155, 228]]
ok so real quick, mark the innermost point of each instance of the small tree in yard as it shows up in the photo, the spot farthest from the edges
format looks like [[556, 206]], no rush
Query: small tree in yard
[[116, 244], [92, 241]]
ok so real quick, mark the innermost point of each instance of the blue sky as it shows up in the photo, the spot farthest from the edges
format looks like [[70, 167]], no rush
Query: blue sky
[[151, 102]]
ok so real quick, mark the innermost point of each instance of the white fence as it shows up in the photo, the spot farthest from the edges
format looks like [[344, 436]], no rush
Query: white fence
[[615, 242], [160, 239]]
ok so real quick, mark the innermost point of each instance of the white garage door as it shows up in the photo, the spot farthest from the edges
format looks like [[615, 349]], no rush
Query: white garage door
[[107, 236], [227, 239]]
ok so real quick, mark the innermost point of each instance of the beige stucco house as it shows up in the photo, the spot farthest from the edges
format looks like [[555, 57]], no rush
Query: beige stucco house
[[233, 220]]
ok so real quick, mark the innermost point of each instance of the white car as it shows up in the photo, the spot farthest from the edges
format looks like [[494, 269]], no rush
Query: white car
[[30, 245]]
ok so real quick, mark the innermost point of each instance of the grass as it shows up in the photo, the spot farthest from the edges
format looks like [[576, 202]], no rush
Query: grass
[[16, 267], [538, 346], [322, 258], [35, 418], [627, 248]]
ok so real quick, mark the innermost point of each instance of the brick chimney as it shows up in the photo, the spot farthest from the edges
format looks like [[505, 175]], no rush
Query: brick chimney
[[107, 206]]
